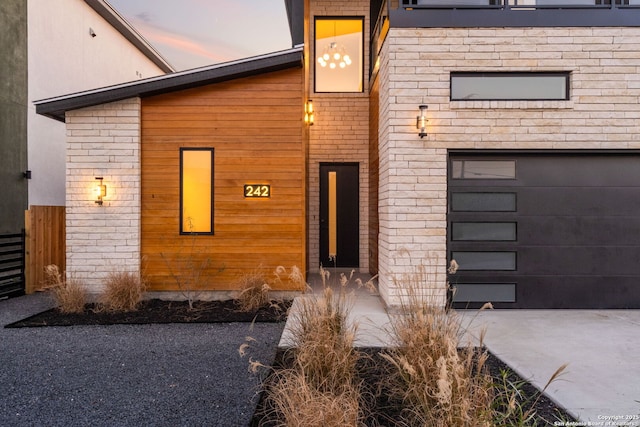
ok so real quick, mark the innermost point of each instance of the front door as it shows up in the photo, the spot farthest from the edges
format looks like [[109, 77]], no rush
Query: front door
[[339, 219]]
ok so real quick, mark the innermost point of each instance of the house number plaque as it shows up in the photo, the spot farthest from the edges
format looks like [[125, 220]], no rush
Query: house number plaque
[[257, 190]]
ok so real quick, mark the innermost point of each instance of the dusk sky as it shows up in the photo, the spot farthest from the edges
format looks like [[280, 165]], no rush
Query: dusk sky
[[193, 33]]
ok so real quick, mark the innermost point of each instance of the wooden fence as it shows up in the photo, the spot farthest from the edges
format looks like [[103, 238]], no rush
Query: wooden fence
[[45, 243]]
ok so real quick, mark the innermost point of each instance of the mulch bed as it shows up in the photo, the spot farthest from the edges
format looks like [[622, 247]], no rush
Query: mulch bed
[[386, 411], [160, 311]]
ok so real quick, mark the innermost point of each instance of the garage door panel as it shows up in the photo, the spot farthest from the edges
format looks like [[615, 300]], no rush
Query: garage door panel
[[594, 292], [576, 292], [576, 170], [576, 230], [558, 201], [578, 260]]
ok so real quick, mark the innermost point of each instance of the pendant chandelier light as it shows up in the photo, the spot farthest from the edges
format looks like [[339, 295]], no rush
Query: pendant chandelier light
[[334, 55]]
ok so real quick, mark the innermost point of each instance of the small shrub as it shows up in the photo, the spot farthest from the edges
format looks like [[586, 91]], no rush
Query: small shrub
[[189, 268], [322, 388], [303, 404], [123, 291], [295, 279], [438, 383], [254, 291], [69, 295], [512, 406]]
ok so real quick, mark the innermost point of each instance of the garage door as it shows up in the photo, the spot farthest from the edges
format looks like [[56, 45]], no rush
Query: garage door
[[545, 230]]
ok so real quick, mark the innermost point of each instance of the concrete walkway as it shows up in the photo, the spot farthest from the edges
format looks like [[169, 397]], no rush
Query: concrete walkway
[[601, 384]]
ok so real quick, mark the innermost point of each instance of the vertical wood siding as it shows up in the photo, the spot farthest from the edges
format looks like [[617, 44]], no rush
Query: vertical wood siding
[[44, 243], [254, 125]]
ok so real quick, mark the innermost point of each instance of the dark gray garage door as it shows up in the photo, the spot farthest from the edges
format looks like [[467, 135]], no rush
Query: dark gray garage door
[[545, 230]]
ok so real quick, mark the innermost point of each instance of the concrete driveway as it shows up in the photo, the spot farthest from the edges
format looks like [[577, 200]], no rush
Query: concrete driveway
[[601, 385]]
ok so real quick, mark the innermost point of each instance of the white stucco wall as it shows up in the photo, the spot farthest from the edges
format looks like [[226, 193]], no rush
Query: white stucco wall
[[64, 58]]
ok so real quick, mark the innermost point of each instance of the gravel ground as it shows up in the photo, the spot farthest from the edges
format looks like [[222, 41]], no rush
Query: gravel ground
[[127, 375]]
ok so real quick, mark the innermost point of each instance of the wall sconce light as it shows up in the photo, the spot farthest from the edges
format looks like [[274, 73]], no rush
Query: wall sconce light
[[421, 121], [309, 114], [100, 190]]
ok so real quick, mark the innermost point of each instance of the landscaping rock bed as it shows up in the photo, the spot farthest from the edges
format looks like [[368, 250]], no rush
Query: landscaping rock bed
[[385, 411], [160, 311]]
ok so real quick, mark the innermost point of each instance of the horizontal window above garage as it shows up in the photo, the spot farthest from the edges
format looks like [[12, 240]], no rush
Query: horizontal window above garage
[[509, 86]]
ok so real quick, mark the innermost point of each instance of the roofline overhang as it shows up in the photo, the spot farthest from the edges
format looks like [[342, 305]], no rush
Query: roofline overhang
[[117, 21], [56, 107], [507, 17]]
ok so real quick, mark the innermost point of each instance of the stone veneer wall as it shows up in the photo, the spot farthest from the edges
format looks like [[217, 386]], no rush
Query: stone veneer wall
[[340, 133], [603, 113], [103, 141]]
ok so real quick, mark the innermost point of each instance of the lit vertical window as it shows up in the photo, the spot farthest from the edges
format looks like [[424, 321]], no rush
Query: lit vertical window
[[339, 54], [333, 214], [196, 190]]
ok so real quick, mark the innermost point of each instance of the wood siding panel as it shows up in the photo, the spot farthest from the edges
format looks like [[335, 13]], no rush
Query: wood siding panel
[[255, 126], [45, 244]]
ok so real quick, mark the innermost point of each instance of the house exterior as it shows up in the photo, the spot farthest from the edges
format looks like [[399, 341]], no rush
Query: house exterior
[[51, 48], [399, 136]]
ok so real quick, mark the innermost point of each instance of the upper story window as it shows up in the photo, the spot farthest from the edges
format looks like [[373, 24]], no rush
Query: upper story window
[[339, 54], [509, 86]]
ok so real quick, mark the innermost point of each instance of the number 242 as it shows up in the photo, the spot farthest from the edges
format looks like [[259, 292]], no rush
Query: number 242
[[257, 191]]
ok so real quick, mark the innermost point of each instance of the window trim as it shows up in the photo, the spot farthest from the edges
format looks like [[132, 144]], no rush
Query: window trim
[[462, 177], [314, 56], [565, 74], [512, 222], [452, 193], [461, 266], [458, 287], [196, 233]]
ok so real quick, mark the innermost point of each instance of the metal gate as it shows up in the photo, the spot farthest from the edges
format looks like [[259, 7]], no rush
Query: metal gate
[[12, 264]]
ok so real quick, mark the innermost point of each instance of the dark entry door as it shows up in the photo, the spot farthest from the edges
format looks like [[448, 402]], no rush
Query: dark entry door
[[339, 220]]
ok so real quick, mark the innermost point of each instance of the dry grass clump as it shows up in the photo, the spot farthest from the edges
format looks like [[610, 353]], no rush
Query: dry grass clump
[[322, 387], [438, 383], [255, 288], [293, 279], [303, 404], [123, 291], [512, 407], [428, 379], [254, 291], [69, 295]]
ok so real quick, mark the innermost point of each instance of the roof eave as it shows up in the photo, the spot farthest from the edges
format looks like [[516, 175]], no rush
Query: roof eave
[[117, 21], [56, 108]]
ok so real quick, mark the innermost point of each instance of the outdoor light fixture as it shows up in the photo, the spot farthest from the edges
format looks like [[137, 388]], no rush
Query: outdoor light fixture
[[309, 114], [421, 121], [334, 55], [101, 190]]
